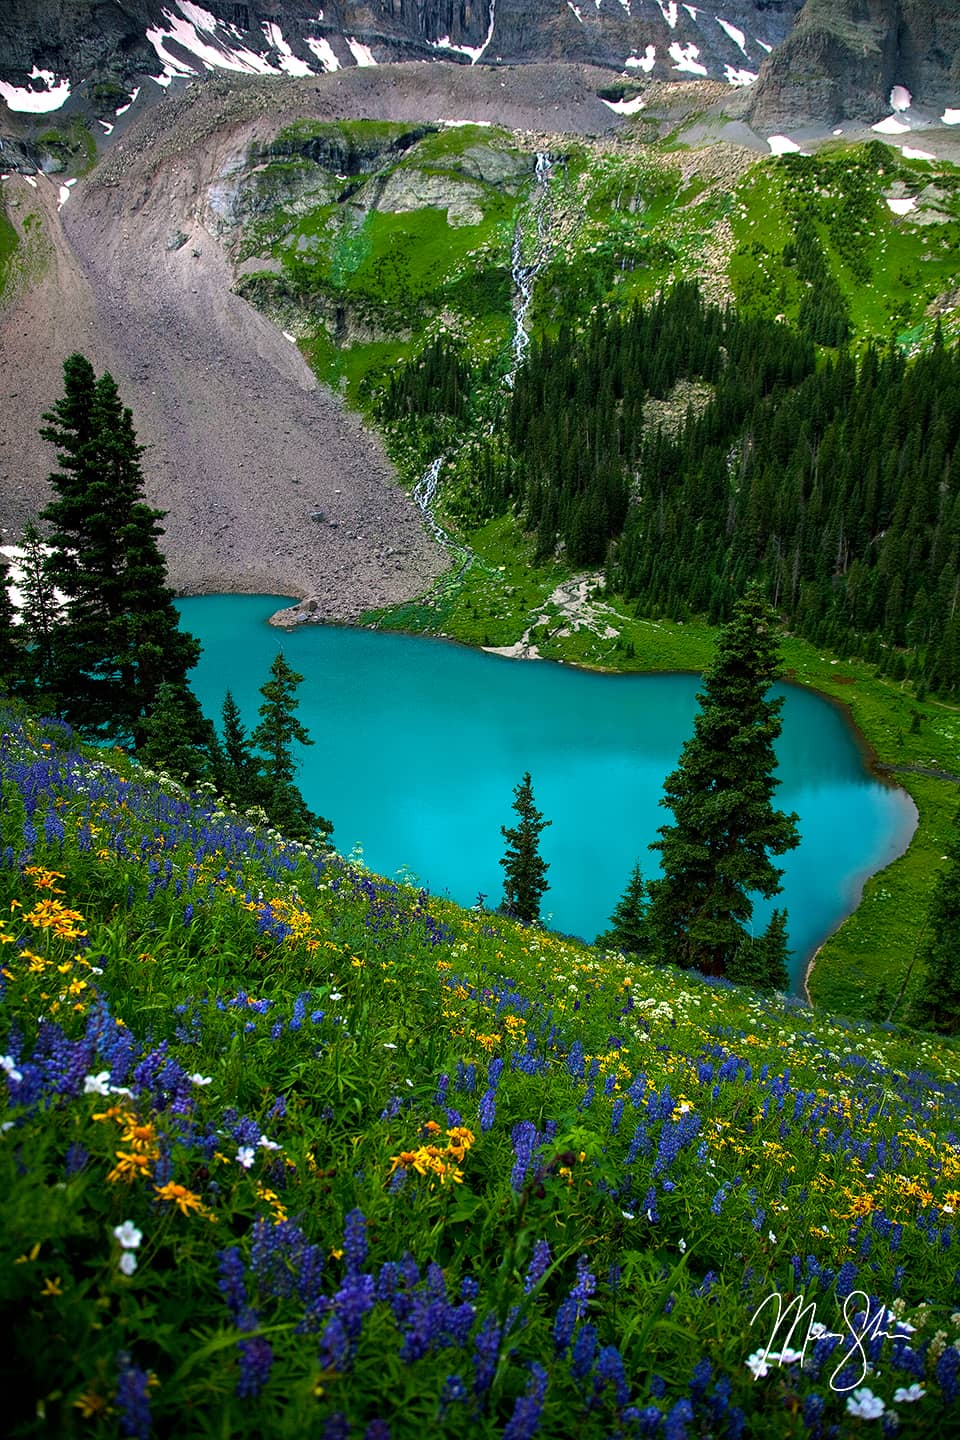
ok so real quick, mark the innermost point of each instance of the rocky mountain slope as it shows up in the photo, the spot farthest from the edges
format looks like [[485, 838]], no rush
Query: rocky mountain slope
[[97, 43]]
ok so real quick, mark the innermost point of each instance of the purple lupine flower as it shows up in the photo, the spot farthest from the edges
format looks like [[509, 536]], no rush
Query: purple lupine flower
[[232, 1282], [494, 1071], [677, 1420], [610, 1371], [584, 1349], [355, 1241], [377, 1430], [649, 1419], [584, 1288], [488, 1110], [334, 1345], [524, 1137], [469, 1289], [564, 1321], [453, 1390], [256, 1360], [525, 1420], [132, 1400], [947, 1370], [539, 1264], [846, 1279], [353, 1301], [337, 1427], [486, 1352]]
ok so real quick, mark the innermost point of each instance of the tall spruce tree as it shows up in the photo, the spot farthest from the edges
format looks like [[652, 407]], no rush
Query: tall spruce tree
[[717, 852], [278, 731], [937, 1004], [525, 880], [238, 767], [11, 639], [628, 928], [119, 639], [41, 610]]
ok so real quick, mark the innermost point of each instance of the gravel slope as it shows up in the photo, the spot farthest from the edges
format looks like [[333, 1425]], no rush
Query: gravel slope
[[245, 449]]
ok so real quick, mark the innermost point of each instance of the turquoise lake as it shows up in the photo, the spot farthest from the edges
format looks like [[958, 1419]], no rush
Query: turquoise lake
[[418, 745]]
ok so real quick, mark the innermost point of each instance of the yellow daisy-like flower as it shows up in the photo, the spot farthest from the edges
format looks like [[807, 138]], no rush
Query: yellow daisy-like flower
[[184, 1199]]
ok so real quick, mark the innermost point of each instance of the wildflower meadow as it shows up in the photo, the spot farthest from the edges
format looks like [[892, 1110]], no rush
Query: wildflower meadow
[[289, 1149]]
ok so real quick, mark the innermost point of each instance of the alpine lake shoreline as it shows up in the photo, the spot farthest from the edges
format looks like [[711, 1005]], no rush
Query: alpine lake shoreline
[[863, 968]]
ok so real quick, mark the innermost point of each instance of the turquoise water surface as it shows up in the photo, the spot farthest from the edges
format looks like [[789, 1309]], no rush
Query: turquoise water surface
[[418, 745]]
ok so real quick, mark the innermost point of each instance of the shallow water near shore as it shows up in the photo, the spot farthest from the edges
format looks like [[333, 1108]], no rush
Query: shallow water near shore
[[418, 745]]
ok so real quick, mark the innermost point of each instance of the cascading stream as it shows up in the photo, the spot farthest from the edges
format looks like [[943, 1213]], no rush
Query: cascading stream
[[524, 274]]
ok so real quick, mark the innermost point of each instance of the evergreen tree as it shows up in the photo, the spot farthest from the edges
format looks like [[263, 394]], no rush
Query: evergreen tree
[[177, 735], [718, 850], [275, 736], [11, 640], [628, 931], [119, 638], [937, 1005], [238, 768], [526, 870], [41, 610], [761, 961]]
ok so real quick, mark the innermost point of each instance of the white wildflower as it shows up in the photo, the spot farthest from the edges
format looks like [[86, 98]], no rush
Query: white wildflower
[[245, 1156], [864, 1404], [128, 1235]]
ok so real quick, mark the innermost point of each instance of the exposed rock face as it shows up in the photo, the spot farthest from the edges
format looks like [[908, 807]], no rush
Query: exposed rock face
[[98, 41], [843, 58]]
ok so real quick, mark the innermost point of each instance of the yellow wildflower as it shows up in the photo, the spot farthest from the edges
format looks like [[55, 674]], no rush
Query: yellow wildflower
[[184, 1199]]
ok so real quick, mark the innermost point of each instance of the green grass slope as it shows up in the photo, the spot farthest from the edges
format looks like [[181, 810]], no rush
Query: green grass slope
[[291, 1150]]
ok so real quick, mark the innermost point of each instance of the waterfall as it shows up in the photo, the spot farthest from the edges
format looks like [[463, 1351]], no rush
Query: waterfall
[[524, 274]]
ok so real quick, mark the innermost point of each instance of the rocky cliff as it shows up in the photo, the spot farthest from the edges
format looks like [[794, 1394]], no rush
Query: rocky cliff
[[43, 42], [843, 58]]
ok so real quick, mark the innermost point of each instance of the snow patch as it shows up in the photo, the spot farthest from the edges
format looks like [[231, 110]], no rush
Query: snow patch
[[739, 77], [670, 12], [107, 127], [288, 61], [361, 53], [890, 126], [686, 58], [323, 51], [646, 61], [902, 207], [783, 145], [287, 336], [30, 181], [693, 11], [37, 102], [454, 123], [132, 101], [212, 53], [576, 10], [764, 46], [162, 80], [64, 196], [909, 153], [736, 34], [900, 98], [626, 107], [950, 117]]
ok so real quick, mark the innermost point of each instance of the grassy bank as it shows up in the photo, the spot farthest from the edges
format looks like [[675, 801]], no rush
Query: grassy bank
[[290, 1150], [504, 596]]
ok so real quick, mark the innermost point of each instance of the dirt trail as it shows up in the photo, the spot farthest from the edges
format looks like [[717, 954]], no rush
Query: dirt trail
[[245, 452]]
